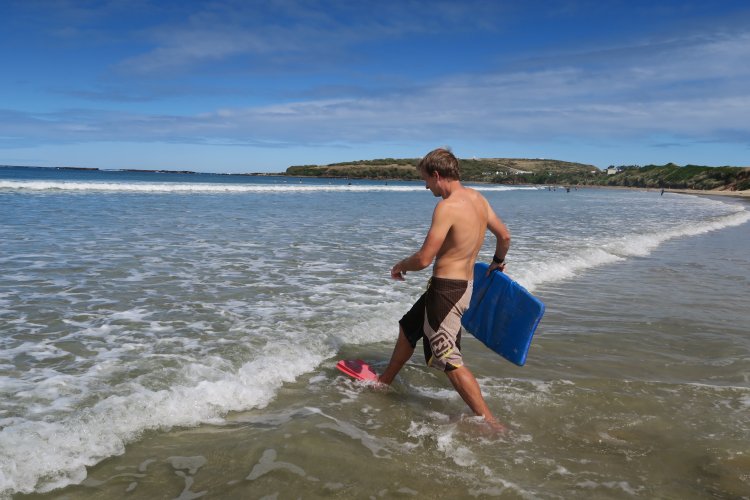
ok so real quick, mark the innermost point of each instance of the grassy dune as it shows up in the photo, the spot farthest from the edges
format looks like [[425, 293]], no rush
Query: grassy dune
[[544, 171]]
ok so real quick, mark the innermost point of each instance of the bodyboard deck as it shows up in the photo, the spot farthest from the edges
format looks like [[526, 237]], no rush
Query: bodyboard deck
[[358, 369], [502, 314]]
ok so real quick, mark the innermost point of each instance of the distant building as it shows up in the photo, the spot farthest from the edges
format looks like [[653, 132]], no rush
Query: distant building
[[518, 172], [613, 170]]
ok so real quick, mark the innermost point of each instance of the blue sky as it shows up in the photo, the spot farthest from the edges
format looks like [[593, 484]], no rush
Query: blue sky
[[245, 86]]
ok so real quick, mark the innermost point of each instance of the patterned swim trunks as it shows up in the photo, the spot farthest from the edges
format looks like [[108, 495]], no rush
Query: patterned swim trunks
[[436, 318]]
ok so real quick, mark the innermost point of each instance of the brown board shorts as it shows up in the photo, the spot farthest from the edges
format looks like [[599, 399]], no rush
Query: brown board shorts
[[436, 318]]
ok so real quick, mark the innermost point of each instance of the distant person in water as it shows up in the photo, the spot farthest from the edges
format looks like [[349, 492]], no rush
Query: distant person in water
[[459, 223]]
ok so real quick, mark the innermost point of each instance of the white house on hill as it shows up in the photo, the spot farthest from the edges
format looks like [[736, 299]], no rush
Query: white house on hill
[[613, 170]]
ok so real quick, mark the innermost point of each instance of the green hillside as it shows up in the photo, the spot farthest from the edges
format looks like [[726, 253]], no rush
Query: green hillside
[[497, 170], [544, 171], [387, 168], [671, 176]]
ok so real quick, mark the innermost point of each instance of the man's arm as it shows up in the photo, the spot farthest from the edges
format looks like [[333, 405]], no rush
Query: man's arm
[[501, 232], [441, 224]]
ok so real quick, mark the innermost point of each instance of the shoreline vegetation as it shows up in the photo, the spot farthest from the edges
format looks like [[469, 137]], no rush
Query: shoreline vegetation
[[689, 178]]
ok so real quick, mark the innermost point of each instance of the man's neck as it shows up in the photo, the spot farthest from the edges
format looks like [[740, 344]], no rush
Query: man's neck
[[449, 186]]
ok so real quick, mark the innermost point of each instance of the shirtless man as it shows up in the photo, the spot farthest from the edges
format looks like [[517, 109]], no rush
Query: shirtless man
[[456, 235]]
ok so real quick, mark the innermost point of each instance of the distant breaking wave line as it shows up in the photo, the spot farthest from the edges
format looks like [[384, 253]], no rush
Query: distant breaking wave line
[[610, 250], [167, 187]]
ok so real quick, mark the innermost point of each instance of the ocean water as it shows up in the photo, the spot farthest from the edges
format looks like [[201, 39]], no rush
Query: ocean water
[[175, 336]]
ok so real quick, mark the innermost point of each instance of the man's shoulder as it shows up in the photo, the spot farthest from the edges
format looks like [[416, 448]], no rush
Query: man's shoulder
[[477, 197], [473, 192], [467, 194], [456, 205]]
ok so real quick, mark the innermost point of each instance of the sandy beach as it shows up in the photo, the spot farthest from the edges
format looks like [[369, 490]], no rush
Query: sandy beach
[[699, 192], [734, 194]]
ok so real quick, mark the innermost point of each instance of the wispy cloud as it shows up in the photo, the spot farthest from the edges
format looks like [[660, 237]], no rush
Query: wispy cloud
[[629, 97], [287, 34]]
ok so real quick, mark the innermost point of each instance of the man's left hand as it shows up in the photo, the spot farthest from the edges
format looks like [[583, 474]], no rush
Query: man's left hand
[[493, 265]]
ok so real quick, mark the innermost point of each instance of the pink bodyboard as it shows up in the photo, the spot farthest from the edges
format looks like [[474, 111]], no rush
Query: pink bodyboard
[[358, 369]]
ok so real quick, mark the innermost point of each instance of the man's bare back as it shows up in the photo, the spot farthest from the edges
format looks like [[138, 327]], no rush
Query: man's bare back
[[466, 212]]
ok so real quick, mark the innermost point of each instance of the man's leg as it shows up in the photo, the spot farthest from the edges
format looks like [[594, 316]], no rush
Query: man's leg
[[468, 388], [401, 354]]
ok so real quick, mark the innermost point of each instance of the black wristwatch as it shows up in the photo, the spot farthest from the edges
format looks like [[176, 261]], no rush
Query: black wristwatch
[[497, 260]]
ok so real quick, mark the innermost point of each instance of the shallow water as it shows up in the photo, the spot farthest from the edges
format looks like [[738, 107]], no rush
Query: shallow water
[[181, 341]]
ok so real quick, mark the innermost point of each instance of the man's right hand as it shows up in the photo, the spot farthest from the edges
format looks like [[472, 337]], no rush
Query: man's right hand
[[397, 273]]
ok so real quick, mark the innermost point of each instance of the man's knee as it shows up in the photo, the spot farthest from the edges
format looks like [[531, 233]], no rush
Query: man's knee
[[453, 372]]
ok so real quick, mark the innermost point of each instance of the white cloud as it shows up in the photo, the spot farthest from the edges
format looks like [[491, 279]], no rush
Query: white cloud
[[694, 88]]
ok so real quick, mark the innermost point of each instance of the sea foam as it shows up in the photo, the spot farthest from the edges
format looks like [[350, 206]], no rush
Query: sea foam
[[44, 455]]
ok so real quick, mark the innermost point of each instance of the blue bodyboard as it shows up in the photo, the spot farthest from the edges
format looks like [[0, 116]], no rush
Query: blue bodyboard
[[502, 314]]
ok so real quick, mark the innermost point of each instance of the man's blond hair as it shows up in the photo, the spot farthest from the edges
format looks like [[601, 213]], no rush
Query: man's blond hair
[[443, 162]]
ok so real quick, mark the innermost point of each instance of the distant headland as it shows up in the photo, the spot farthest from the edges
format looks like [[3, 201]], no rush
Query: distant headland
[[539, 171], [546, 171]]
